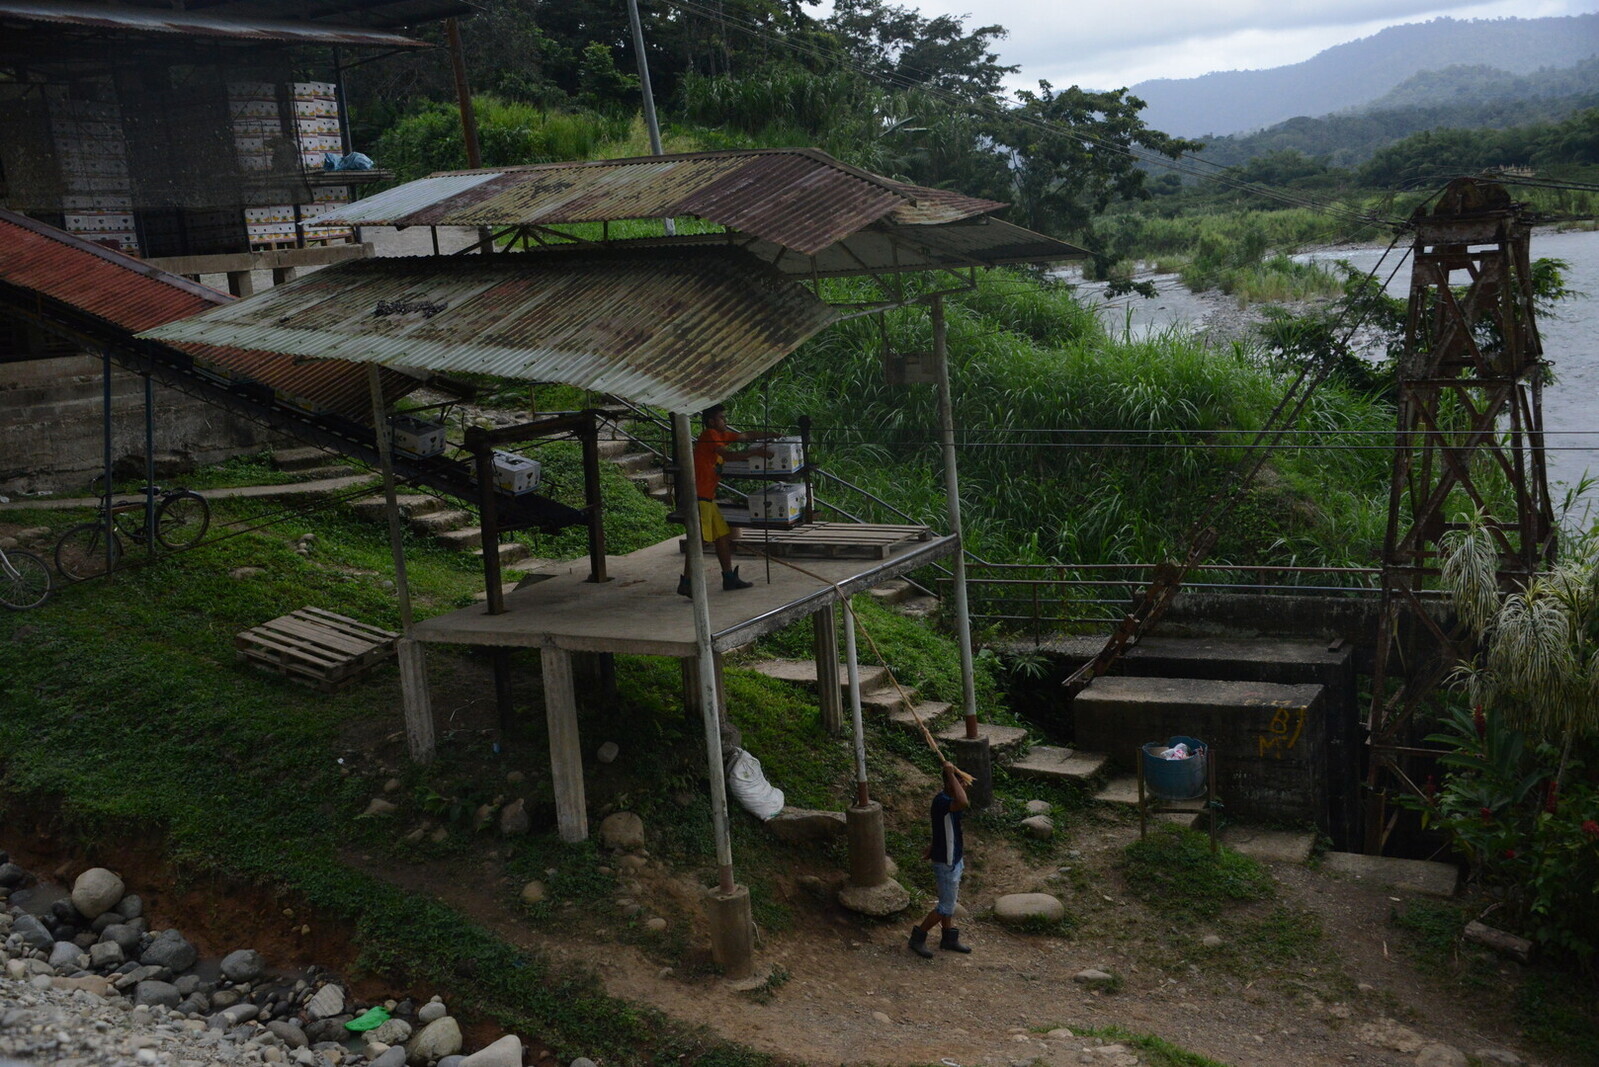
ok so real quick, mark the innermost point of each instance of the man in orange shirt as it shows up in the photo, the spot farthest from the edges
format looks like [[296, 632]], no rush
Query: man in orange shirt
[[710, 451]]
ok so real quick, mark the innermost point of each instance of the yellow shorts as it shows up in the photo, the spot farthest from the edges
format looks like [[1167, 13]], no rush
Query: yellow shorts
[[712, 526]]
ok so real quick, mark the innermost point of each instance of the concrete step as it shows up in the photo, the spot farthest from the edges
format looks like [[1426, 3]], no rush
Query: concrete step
[[410, 505], [529, 565], [316, 474], [638, 462], [471, 537], [510, 552], [921, 606], [648, 481], [1413, 876], [935, 714], [435, 522], [665, 494], [1004, 742], [1123, 792], [890, 592], [294, 459], [886, 698], [1059, 764], [610, 449]]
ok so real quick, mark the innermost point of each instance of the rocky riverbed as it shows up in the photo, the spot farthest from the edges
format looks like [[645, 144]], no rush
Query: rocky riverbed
[[86, 981]]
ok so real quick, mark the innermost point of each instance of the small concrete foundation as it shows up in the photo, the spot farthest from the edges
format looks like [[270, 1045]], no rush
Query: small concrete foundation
[[867, 853], [732, 932]]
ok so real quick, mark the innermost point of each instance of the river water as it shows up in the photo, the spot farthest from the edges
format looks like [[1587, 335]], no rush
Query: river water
[[1570, 340]]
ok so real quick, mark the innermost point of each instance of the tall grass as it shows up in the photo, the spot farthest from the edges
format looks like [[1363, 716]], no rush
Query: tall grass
[[1077, 447], [510, 133]]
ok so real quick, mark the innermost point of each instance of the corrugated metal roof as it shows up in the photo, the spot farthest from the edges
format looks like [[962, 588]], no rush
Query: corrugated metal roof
[[799, 198], [677, 328], [133, 20], [125, 296]]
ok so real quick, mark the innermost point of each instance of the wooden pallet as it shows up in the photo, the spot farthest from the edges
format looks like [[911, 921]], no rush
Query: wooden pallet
[[833, 539], [316, 647]]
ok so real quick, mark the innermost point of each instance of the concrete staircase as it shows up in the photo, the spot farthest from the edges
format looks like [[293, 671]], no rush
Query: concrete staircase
[[453, 527], [309, 464]]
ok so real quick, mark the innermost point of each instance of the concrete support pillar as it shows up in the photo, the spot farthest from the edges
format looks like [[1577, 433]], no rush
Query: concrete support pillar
[[972, 755], [732, 932], [240, 283], [280, 275], [415, 698], [829, 688], [868, 855], [566, 747]]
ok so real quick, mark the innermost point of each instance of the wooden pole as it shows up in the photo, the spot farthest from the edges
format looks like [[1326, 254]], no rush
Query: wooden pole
[[829, 691], [463, 95], [566, 746], [952, 499]]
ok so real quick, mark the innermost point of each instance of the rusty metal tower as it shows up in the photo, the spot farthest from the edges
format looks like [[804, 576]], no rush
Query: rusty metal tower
[[1470, 438]]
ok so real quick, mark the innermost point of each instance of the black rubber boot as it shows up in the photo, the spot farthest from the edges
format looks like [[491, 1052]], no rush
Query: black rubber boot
[[731, 580], [683, 588], [919, 943], [951, 941]]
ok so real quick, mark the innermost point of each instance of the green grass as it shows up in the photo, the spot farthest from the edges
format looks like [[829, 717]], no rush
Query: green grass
[[1156, 1051], [1173, 870]]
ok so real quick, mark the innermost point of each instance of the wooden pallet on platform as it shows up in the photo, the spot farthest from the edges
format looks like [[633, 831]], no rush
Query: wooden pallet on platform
[[833, 540], [316, 647]]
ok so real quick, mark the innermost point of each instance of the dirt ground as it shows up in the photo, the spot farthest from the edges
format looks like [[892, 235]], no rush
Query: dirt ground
[[845, 990]]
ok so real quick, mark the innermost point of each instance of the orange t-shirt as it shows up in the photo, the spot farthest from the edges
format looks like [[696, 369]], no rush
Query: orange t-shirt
[[708, 460]]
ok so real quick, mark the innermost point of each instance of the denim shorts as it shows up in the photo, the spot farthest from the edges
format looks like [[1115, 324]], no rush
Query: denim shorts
[[949, 883]]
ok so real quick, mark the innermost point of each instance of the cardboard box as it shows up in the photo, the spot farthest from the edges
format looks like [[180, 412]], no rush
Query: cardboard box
[[331, 195], [97, 202], [415, 437], [327, 126], [788, 457], [98, 222], [269, 213], [315, 109], [312, 90], [253, 109], [516, 474], [780, 502]]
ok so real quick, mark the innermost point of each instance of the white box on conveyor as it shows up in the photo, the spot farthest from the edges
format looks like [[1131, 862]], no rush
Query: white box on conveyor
[[515, 474], [787, 457], [416, 437], [778, 502]]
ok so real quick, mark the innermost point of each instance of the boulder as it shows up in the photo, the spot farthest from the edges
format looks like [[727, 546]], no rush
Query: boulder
[[125, 936], [622, 830], [328, 1002], [152, 994], [99, 985], [104, 955], [506, 1052], [1016, 909], [533, 892], [33, 932], [432, 1011], [169, 949], [514, 819], [96, 892], [66, 956], [291, 1035], [243, 965], [436, 1040], [394, 1057], [1040, 826], [389, 1032]]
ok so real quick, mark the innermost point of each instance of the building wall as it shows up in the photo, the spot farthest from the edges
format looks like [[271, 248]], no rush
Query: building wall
[[52, 426]]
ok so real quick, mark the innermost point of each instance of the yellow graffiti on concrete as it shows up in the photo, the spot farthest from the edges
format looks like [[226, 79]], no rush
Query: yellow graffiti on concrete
[[1282, 733]]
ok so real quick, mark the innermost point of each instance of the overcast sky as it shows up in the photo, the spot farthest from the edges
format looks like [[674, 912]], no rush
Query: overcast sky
[[1106, 44]]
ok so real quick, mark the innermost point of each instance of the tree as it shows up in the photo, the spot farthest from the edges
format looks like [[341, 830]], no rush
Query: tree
[[900, 48]]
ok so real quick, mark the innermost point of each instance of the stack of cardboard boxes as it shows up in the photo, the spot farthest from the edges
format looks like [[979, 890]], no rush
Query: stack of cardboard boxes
[[92, 155]]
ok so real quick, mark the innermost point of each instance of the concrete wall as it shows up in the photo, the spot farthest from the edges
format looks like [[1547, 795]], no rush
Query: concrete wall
[[52, 426]]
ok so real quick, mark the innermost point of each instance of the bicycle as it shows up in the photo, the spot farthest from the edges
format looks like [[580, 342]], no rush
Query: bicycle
[[24, 580], [180, 519]]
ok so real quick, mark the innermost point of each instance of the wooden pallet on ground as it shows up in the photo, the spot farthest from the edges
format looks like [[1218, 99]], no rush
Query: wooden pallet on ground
[[316, 647], [833, 539]]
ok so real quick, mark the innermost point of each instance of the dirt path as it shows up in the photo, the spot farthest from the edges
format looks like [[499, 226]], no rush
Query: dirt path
[[848, 992]]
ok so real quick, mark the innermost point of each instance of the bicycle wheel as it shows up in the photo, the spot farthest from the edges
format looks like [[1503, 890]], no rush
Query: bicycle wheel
[[181, 519], [24, 580], [82, 551]]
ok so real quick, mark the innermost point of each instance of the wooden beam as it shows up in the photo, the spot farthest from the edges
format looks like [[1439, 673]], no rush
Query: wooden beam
[[566, 746]]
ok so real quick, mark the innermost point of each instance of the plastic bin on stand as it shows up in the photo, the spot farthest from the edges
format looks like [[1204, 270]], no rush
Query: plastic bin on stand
[[1185, 786]]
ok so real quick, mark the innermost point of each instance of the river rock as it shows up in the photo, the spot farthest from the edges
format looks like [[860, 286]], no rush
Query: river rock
[[169, 949], [622, 830], [439, 1038], [1498, 1055], [225, 998], [34, 934], [608, 752], [379, 806], [506, 1052], [1438, 1054], [66, 956], [432, 1011], [96, 892], [97, 984], [389, 1032], [1038, 807], [328, 1002], [244, 965], [1014, 909], [288, 1033], [451, 1061], [131, 907], [104, 955], [152, 994], [394, 1057], [125, 936], [533, 892], [12, 876], [234, 1015], [1039, 826], [514, 819]]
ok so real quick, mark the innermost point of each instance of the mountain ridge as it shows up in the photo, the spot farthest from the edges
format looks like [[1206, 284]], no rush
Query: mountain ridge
[[1359, 72]]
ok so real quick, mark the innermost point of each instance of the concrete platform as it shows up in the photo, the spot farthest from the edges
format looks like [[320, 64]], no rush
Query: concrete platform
[[1408, 876], [1003, 741], [639, 611], [1269, 846]]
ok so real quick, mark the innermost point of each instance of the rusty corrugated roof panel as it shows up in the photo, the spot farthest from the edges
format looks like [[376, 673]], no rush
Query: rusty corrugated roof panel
[[127, 296], [132, 20], [677, 328], [800, 198]]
